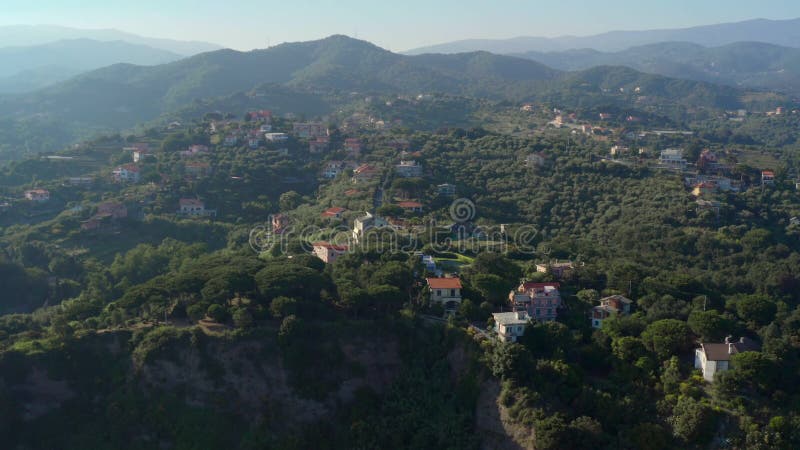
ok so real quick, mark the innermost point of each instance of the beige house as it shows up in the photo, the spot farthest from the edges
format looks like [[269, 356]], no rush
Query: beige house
[[445, 291]]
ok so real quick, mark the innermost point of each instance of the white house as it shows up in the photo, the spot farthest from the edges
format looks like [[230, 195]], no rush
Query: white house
[[672, 158], [712, 358], [408, 169], [194, 207], [37, 195], [126, 173], [510, 326], [276, 137], [365, 223]]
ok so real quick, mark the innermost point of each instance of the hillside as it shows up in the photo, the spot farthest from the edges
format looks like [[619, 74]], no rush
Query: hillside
[[30, 68], [747, 64], [123, 95], [778, 32]]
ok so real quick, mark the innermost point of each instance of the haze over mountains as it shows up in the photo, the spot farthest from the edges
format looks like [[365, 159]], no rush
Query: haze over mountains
[[123, 95], [779, 32]]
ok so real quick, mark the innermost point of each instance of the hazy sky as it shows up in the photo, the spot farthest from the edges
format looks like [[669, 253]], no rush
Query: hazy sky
[[396, 25]]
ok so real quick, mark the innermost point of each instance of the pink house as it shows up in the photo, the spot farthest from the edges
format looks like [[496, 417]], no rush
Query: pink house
[[328, 252], [37, 195], [540, 300]]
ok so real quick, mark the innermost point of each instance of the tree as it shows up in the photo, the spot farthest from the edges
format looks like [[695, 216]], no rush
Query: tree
[[667, 337], [289, 200], [709, 325], [282, 307], [588, 296], [492, 287], [242, 318], [628, 348], [692, 421], [755, 309], [671, 377], [217, 313], [196, 312], [509, 360]]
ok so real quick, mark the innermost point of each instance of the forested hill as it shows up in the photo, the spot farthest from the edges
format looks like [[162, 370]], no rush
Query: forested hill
[[122, 95]]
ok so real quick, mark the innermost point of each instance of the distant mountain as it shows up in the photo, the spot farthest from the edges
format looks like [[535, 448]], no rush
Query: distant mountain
[[779, 32], [28, 35], [748, 64], [123, 94], [29, 68]]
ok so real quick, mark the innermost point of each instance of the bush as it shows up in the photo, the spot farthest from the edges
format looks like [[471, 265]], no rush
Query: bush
[[195, 312], [217, 313], [242, 318]]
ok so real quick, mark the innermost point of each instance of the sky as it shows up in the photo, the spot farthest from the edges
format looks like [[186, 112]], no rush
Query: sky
[[394, 25]]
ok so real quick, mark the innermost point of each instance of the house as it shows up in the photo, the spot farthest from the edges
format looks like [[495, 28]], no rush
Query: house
[[364, 172], [195, 150], [280, 222], [605, 116], [253, 142], [365, 223], [672, 158], [413, 207], [80, 181], [266, 128], [230, 140], [333, 213], [194, 207], [712, 358], [328, 252], [333, 169], [408, 169], [707, 161], [141, 155], [429, 263], [137, 147], [767, 177], [445, 291], [309, 129], [446, 190], [704, 189], [558, 269], [353, 147], [127, 173], [197, 168], [610, 306], [534, 160], [37, 195], [276, 137], [510, 326], [540, 300], [263, 114], [319, 145], [112, 209], [527, 107], [618, 150]]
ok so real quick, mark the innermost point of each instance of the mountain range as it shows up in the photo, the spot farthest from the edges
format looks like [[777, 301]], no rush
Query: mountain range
[[31, 35], [746, 64], [33, 67], [779, 32]]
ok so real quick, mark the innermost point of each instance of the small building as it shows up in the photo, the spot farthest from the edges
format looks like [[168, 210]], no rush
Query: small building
[[365, 223], [333, 169], [192, 207], [230, 140], [446, 190], [610, 306], [112, 209], [328, 252], [408, 169], [712, 358], [195, 150], [254, 143], [266, 128], [319, 145], [618, 150], [38, 195], [141, 155], [333, 213], [559, 269], [276, 137], [309, 129], [137, 147], [672, 158], [80, 181], [262, 114], [767, 177], [353, 147], [540, 300], [364, 172], [535, 160], [409, 206], [704, 189], [127, 173], [510, 326], [445, 291]]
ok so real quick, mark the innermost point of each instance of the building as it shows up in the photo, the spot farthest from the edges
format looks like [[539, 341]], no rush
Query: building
[[80, 181], [767, 177], [276, 137], [365, 223], [309, 129], [263, 114], [446, 190], [128, 173], [193, 207], [333, 169], [619, 150], [712, 358], [230, 140], [112, 209], [195, 150], [672, 158], [445, 292], [534, 160], [540, 300], [197, 168], [253, 143], [704, 189], [557, 268], [510, 326], [413, 207], [333, 213], [610, 306], [319, 145], [364, 172], [141, 155], [353, 147], [408, 169], [37, 195], [137, 147], [328, 252]]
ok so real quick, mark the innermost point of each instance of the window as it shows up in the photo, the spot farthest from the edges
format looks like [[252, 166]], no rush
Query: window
[[452, 292], [438, 292]]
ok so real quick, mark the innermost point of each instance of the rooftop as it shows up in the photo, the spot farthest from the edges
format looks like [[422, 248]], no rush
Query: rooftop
[[511, 318], [444, 283]]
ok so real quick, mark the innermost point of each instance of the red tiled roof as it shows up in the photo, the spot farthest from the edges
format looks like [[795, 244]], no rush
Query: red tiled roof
[[330, 212], [410, 204], [768, 173], [444, 283]]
